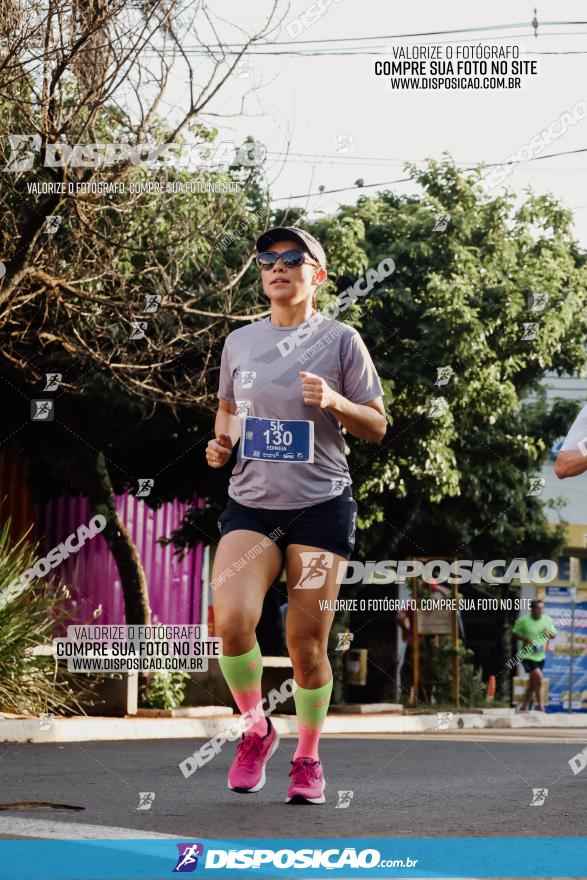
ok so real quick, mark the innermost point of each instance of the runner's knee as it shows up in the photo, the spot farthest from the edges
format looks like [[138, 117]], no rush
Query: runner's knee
[[306, 651], [235, 626]]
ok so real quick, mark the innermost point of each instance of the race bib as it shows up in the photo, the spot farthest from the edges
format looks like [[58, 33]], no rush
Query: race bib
[[278, 439]]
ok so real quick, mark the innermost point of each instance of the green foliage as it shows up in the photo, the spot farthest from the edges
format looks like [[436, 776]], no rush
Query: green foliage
[[166, 244], [437, 666], [453, 485], [28, 684], [166, 690], [458, 483], [473, 691]]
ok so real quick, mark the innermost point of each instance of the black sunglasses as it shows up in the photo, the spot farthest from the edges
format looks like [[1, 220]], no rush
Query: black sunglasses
[[291, 259]]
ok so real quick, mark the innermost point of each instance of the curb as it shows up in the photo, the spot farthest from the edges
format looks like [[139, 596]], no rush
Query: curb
[[85, 729]]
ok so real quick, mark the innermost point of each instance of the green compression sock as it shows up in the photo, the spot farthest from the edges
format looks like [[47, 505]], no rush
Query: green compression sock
[[311, 710], [243, 676]]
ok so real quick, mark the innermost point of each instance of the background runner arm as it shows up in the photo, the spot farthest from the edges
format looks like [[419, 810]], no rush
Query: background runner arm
[[570, 464]]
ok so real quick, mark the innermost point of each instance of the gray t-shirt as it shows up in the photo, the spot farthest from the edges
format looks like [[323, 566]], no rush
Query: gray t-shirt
[[263, 379], [577, 433]]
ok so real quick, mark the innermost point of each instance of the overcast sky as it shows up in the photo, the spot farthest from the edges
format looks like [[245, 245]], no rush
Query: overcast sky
[[312, 101]]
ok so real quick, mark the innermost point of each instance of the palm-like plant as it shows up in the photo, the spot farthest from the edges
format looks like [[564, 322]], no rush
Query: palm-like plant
[[29, 684]]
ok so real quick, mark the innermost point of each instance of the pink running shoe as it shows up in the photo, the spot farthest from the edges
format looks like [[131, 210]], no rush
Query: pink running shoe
[[307, 784], [247, 771]]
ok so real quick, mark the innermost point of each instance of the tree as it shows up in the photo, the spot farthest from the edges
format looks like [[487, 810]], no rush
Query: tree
[[453, 479], [462, 297], [120, 291]]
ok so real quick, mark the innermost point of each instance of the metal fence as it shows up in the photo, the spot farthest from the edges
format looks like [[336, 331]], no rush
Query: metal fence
[[91, 574]]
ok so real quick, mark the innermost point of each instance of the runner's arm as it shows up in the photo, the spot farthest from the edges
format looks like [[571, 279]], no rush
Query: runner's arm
[[223, 422], [570, 464], [519, 636], [219, 450], [403, 621], [364, 420], [523, 638]]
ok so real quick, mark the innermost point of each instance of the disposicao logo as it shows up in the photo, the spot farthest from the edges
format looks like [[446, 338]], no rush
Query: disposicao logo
[[187, 859]]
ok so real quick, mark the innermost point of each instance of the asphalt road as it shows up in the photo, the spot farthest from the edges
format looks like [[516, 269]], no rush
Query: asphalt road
[[443, 785]]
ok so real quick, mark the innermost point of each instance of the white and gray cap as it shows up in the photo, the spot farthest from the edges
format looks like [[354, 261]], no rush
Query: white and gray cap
[[293, 233]]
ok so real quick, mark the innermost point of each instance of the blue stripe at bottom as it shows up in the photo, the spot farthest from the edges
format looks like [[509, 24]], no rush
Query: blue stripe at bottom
[[335, 858]]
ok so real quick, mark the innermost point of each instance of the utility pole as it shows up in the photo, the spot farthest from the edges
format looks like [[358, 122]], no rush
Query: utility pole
[[574, 564]]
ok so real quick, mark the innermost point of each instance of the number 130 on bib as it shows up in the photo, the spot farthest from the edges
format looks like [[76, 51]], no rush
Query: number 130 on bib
[[279, 440]]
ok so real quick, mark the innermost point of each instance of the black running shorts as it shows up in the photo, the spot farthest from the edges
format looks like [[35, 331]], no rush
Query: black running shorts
[[530, 665], [330, 525]]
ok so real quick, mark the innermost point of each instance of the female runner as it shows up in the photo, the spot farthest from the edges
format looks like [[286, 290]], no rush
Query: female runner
[[292, 481]]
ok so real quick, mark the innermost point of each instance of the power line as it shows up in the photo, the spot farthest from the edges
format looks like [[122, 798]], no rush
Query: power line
[[569, 52], [383, 160], [202, 52], [405, 179], [342, 189], [536, 158], [493, 27], [310, 52], [466, 166], [311, 156]]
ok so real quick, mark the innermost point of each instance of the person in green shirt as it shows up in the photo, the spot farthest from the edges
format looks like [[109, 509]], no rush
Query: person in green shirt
[[534, 630]]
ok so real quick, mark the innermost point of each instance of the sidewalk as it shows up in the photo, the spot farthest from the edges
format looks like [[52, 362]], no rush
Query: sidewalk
[[85, 729]]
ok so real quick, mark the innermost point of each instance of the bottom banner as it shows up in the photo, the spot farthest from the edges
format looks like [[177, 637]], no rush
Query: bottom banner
[[554, 857]]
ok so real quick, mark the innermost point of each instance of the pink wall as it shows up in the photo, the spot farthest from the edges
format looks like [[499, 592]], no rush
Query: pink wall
[[92, 576]]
